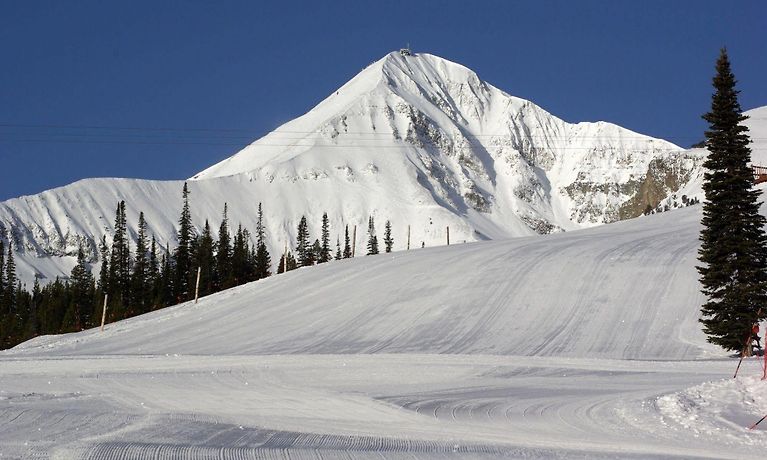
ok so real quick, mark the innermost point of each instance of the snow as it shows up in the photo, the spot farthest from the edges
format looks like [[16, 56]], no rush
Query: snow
[[417, 140], [580, 345]]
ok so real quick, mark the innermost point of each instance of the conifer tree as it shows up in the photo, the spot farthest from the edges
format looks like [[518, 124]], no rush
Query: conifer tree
[[239, 257], [324, 254], [303, 249], [81, 282], [182, 256], [140, 275], [347, 245], [339, 255], [372, 238], [205, 260], [119, 265], [10, 280], [292, 264], [733, 251], [388, 240], [263, 261], [166, 279], [2, 275], [224, 255], [103, 282], [153, 269], [314, 252]]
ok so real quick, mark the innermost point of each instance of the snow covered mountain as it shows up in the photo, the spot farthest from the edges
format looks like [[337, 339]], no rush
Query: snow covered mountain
[[417, 140]]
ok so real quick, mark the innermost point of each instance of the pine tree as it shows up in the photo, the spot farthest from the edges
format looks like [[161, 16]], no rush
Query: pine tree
[[140, 275], [153, 271], [324, 254], [388, 240], [81, 282], [166, 279], [303, 249], [292, 264], [119, 265], [347, 245], [372, 238], [339, 255], [182, 255], [10, 280], [103, 283], [733, 251], [2, 277], [205, 260], [223, 274], [315, 252], [263, 261], [239, 257]]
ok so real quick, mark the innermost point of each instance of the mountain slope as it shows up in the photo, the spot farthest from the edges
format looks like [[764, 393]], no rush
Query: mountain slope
[[627, 290], [417, 140]]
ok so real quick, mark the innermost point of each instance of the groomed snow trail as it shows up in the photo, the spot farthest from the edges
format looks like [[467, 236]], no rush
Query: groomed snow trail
[[579, 345]]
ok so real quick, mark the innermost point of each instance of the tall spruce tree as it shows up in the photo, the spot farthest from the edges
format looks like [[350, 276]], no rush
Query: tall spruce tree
[[347, 245], [204, 258], [2, 276], [339, 255], [303, 247], [81, 285], [182, 255], [141, 290], [263, 261], [223, 274], [119, 266], [325, 253], [733, 249], [388, 240], [103, 282], [10, 280], [372, 238]]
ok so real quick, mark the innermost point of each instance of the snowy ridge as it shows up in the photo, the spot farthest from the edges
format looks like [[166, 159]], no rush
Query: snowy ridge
[[417, 140]]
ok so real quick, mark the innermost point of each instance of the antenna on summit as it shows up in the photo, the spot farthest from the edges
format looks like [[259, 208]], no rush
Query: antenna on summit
[[406, 51]]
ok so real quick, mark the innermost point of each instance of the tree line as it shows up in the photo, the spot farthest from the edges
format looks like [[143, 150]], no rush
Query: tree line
[[149, 277]]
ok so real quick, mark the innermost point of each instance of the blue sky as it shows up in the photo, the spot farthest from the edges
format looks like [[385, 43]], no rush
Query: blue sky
[[164, 89]]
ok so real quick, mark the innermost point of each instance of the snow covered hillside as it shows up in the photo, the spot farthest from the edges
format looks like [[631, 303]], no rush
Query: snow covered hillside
[[627, 290], [417, 140], [579, 345]]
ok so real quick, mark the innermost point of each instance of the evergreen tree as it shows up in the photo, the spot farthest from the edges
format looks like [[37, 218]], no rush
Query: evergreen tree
[[119, 266], [165, 289], [81, 284], [141, 290], [733, 251], [240, 257], [10, 281], [292, 264], [303, 249], [2, 276], [347, 245], [339, 255], [153, 270], [388, 240], [325, 254], [315, 252], [103, 283], [224, 255], [263, 261], [204, 258], [372, 238], [182, 255]]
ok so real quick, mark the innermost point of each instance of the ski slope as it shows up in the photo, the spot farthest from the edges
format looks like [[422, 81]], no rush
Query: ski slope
[[579, 345]]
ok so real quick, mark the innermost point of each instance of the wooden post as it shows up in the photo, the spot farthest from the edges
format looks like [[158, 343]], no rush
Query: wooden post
[[448, 235], [408, 237], [197, 285], [104, 313], [354, 241]]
